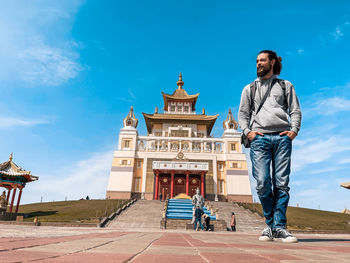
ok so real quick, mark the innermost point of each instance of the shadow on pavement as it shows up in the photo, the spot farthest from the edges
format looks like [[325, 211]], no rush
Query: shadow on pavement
[[323, 240]]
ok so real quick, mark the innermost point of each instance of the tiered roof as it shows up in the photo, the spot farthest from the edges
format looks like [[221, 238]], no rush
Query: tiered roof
[[346, 185], [10, 169], [183, 118], [180, 95]]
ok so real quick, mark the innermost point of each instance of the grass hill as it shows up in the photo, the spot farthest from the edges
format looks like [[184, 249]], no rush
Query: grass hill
[[80, 211], [310, 219], [91, 211]]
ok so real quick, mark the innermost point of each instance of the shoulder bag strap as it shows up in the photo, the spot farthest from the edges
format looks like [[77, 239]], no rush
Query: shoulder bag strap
[[262, 101]]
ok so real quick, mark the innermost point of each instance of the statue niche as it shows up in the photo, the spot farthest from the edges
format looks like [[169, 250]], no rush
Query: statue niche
[[3, 202]]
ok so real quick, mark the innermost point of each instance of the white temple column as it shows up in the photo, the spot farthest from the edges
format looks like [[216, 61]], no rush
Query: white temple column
[[215, 175], [180, 145], [144, 173]]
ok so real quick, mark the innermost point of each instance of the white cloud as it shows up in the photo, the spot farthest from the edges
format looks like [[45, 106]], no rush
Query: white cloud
[[318, 150], [344, 161], [326, 170], [85, 177], [35, 45], [8, 122], [132, 95], [299, 51], [338, 31], [332, 105], [47, 65]]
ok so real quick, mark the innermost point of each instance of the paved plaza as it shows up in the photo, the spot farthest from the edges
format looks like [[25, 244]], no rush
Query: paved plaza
[[63, 244]]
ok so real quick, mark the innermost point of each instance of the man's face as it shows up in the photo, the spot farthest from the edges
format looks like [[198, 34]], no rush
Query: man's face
[[263, 64]]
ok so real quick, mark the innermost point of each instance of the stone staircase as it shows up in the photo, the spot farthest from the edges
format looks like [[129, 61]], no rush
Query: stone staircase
[[144, 214], [147, 214], [246, 221]]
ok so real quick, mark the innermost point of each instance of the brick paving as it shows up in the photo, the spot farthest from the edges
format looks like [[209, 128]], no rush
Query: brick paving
[[20, 243]]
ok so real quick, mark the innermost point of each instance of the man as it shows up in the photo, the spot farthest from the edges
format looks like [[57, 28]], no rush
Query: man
[[271, 129], [198, 214]]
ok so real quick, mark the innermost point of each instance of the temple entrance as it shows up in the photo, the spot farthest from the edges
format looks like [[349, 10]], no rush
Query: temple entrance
[[179, 184], [164, 185], [175, 177], [195, 183]]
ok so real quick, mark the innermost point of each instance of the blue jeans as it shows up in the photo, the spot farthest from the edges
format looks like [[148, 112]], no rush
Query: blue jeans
[[272, 150], [198, 219]]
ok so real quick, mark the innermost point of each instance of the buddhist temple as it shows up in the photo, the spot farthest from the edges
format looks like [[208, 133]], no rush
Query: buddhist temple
[[13, 178], [179, 154]]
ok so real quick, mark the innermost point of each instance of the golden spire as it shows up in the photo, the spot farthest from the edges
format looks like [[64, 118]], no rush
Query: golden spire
[[130, 119], [180, 83], [11, 157], [230, 122]]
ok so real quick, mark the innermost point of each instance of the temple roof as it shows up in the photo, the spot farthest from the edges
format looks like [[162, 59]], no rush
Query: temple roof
[[179, 95], [208, 120], [9, 168], [346, 185]]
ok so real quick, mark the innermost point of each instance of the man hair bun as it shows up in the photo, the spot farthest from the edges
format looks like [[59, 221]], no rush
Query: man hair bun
[[279, 59]]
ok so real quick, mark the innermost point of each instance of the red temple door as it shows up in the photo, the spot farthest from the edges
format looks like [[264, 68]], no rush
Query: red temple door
[[195, 182], [164, 186], [179, 184]]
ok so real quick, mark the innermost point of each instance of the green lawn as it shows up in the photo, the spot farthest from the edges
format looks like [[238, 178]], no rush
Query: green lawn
[[81, 211], [310, 219]]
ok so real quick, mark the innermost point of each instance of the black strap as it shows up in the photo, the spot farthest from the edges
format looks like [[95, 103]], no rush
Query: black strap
[[281, 82], [252, 95]]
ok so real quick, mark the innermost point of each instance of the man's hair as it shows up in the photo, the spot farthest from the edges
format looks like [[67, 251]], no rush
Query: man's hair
[[272, 55]]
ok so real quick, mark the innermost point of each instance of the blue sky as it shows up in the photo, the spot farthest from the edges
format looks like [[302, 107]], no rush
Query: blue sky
[[70, 70]]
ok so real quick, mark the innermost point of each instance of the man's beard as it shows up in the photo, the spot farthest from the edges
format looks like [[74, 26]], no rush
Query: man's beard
[[264, 71]]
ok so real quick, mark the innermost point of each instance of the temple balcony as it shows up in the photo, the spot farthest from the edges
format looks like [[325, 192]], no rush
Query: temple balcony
[[177, 144], [180, 112]]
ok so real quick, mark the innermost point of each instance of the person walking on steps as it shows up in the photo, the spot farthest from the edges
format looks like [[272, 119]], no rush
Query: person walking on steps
[[270, 117], [198, 214], [233, 222]]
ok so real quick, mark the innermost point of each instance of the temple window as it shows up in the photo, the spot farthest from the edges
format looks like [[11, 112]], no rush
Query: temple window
[[234, 165], [186, 109], [172, 108], [159, 134], [124, 162], [179, 108], [179, 133], [126, 144], [233, 147], [200, 134]]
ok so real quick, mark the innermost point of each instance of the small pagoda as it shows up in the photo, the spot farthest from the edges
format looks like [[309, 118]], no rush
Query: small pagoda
[[13, 177]]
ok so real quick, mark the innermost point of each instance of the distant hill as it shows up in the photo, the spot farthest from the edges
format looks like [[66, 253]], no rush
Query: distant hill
[[90, 211], [304, 219], [80, 211]]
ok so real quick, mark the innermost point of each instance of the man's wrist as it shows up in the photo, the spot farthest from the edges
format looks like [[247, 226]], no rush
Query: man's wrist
[[246, 131], [295, 131]]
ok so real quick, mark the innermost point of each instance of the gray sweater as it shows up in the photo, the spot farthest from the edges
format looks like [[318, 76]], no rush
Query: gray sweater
[[272, 117]]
